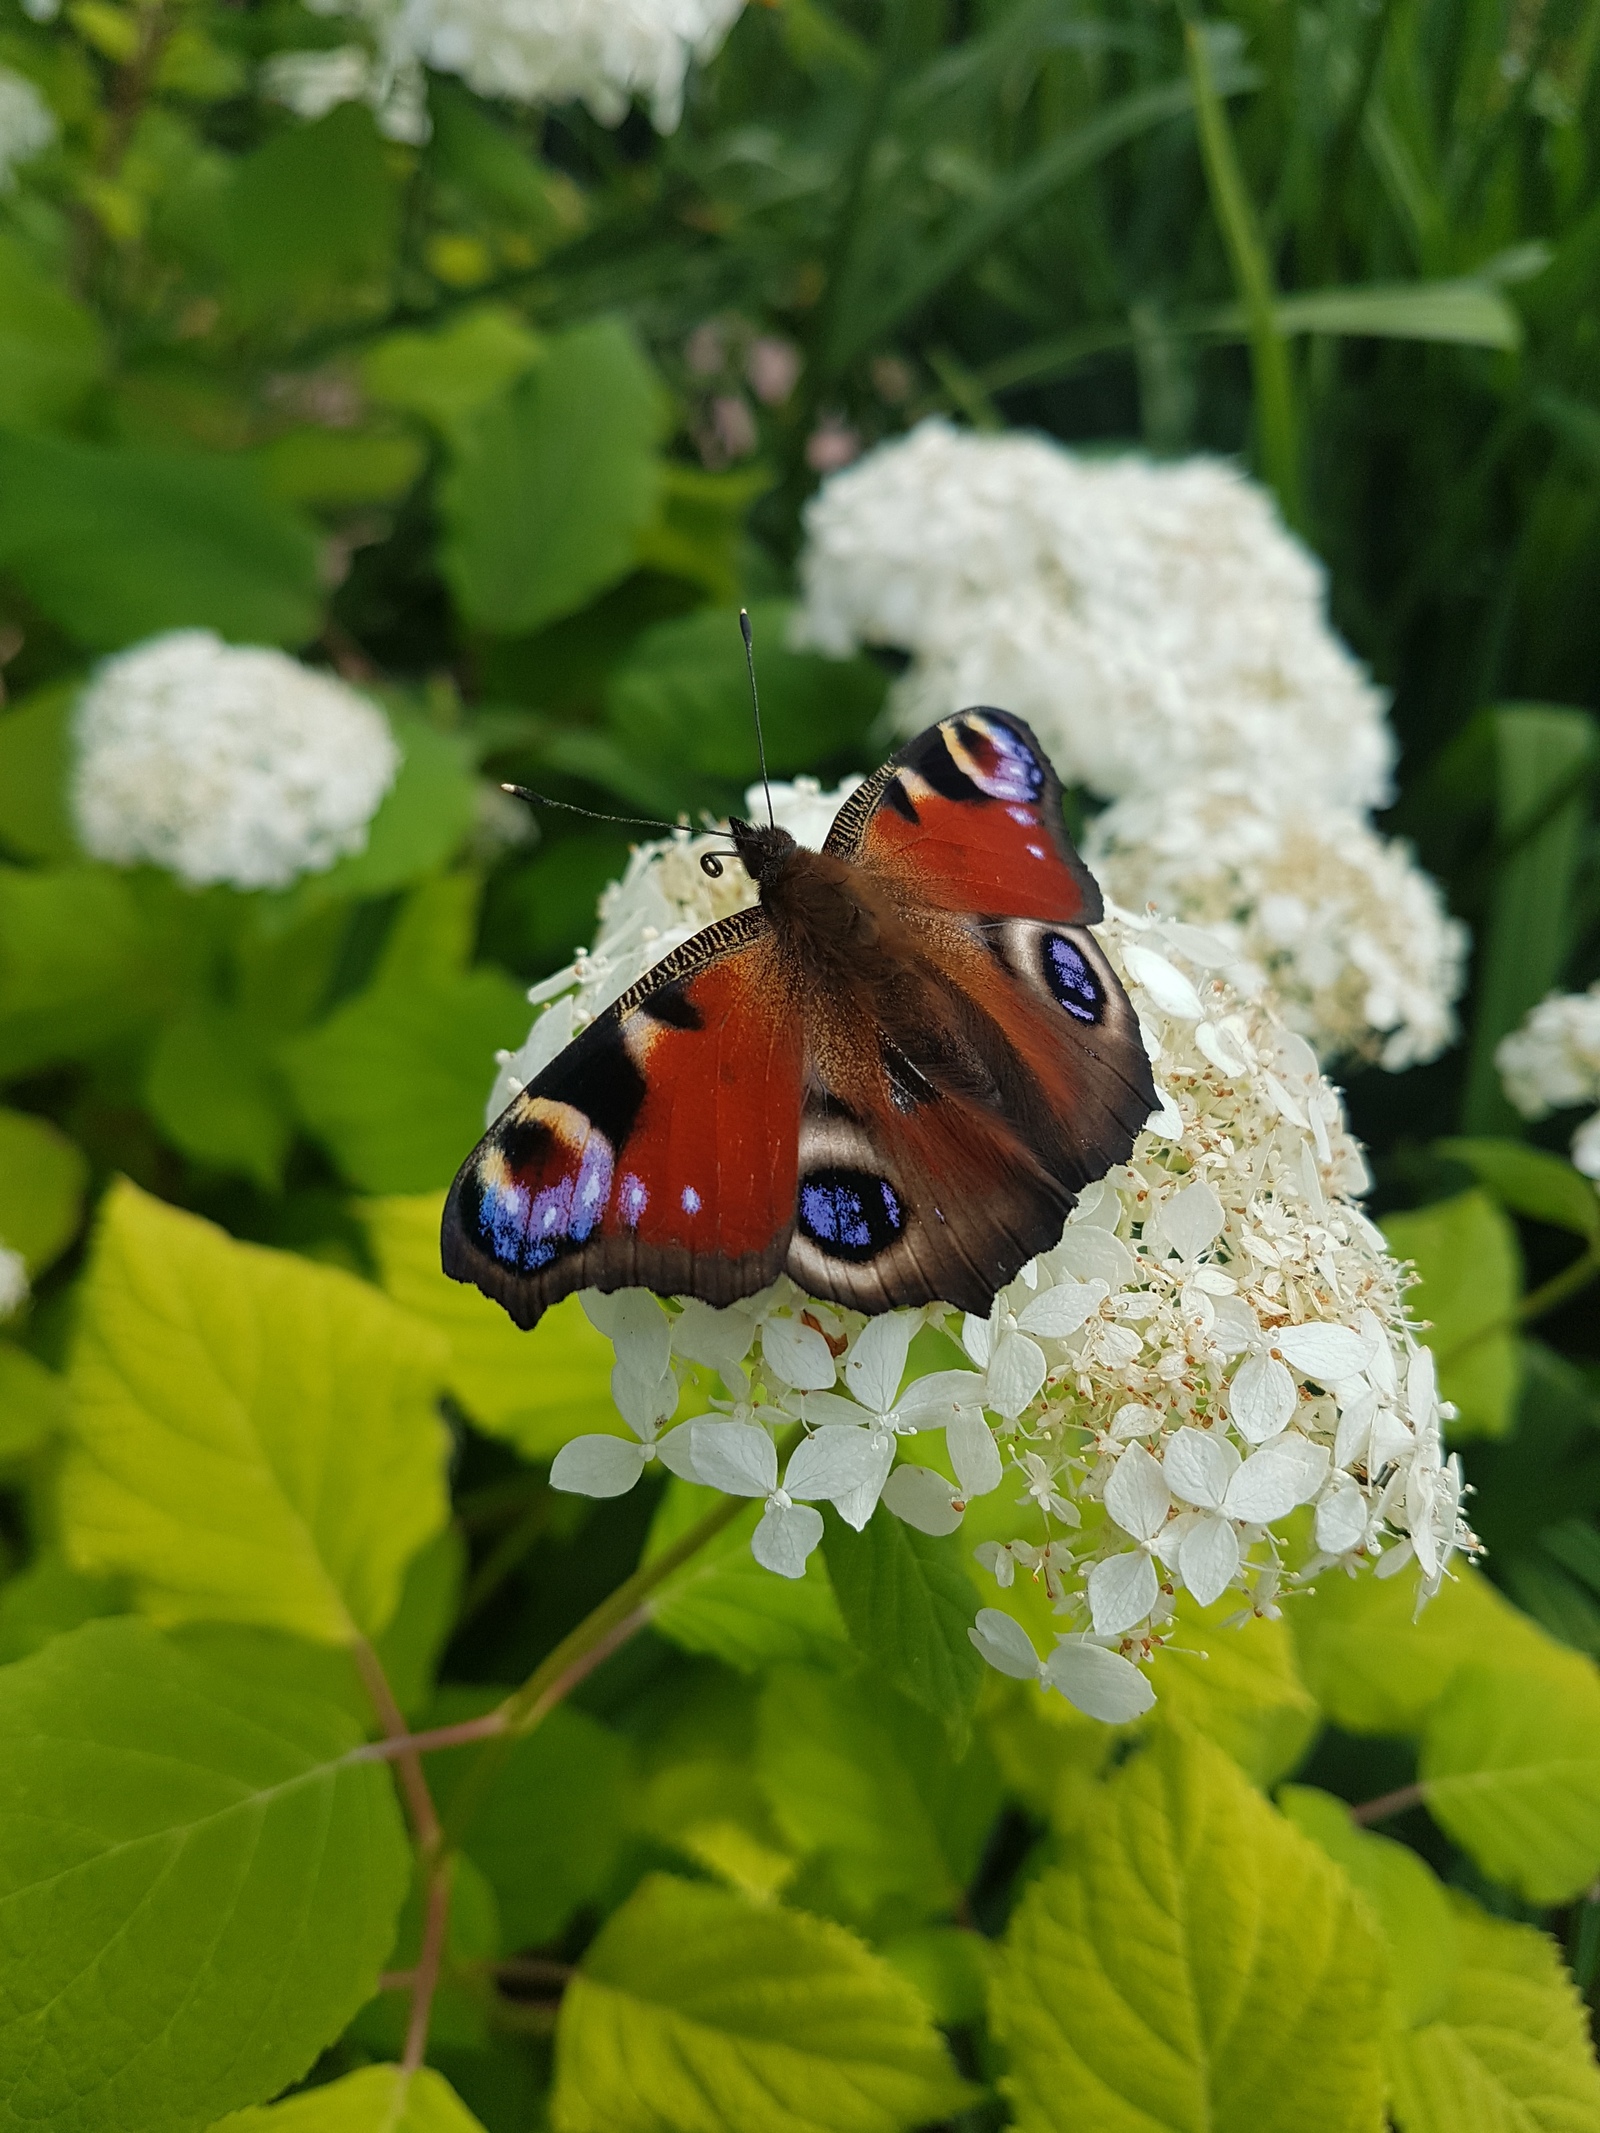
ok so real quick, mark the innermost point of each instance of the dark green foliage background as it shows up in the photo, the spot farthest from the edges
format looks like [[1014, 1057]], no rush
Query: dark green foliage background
[[434, 417]]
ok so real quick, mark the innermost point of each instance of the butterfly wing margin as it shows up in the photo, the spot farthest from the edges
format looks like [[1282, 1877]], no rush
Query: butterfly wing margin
[[967, 817], [658, 1151]]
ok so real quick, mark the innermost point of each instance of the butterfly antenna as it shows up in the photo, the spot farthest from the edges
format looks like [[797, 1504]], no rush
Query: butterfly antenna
[[543, 799], [755, 705]]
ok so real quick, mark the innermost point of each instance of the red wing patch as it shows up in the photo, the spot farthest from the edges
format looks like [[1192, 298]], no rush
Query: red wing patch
[[967, 817], [660, 1150]]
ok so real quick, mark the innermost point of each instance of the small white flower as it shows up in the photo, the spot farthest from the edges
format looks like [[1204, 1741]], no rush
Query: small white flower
[[225, 764], [1123, 1588], [1099, 1683], [1005, 1348], [1552, 1063], [742, 1460], [1261, 1398]]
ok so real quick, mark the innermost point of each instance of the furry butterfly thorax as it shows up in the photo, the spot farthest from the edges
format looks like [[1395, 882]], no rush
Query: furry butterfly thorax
[[891, 1076]]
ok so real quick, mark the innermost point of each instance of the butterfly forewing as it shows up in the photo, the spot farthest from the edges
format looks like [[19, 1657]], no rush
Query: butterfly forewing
[[644, 1155]]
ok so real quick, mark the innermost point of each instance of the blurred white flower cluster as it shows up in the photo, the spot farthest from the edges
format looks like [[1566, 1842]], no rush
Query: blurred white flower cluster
[[225, 763], [1552, 1063], [1217, 1341], [604, 52], [14, 1288], [27, 125], [1167, 640]]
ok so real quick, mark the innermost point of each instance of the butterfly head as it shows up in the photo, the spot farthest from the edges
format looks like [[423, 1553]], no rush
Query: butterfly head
[[763, 850]]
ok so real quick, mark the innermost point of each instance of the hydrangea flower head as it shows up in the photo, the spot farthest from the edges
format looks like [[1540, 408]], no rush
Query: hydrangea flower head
[[1217, 1342], [225, 763], [1551, 1062], [1166, 638], [1355, 939]]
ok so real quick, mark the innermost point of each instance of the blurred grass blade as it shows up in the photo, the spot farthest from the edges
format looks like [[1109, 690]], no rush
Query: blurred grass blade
[[1011, 202], [1277, 428], [1469, 312], [1544, 756]]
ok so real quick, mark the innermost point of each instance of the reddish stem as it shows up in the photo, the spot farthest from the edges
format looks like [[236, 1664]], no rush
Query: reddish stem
[[424, 1983], [1390, 1803]]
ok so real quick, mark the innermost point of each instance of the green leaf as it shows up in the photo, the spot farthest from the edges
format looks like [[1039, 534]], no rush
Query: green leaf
[[1240, 1687], [85, 960], [447, 375], [311, 219], [1199, 1964], [116, 545], [339, 469], [1377, 1666], [866, 1788], [699, 525], [212, 1087], [1510, 1767], [549, 1829], [374, 2099], [1510, 2052], [551, 483], [197, 1885], [1543, 757], [35, 759], [678, 706], [254, 1435], [696, 2011], [413, 1642], [534, 1389], [908, 1604], [721, 1602], [1412, 1909], [1471, 1278], [51, 348], [1531, 1183], [33, 1402], [42, 1180], [46, 1600], [394, 1082]]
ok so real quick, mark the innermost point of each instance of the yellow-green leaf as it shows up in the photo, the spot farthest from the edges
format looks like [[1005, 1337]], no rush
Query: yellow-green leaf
[[1198, 1965], [1510, 1767], [1239, 1686], [1412, 1909], [374, 2099], [1466, 1254], [42, 1176], [535, 1389], [254, 1436], [1510, 2052], [696, 2011]]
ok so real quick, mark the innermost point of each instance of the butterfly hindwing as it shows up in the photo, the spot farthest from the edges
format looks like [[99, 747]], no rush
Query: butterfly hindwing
[[657, 1151], [939, 1159]]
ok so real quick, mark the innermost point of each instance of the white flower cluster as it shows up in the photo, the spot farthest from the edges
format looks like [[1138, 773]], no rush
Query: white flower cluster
[[1217, 1341], [13, 1281], [1552, 1063], [1165, 637], [1353, 937], [27, 125], [225, 763], [606, 52]]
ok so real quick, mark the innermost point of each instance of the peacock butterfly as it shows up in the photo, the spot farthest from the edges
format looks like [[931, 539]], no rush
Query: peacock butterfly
[[890, 1077]]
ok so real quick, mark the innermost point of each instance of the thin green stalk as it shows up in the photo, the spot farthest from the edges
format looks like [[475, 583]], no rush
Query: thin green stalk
[[1547, 1297], [601, 1632], [1276, 423]]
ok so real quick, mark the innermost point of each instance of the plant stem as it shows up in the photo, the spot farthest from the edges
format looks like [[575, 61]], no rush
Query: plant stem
[[414, 1785], [1534, 1305], [425, 1982], [1390, 1803], [1269, 355]]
